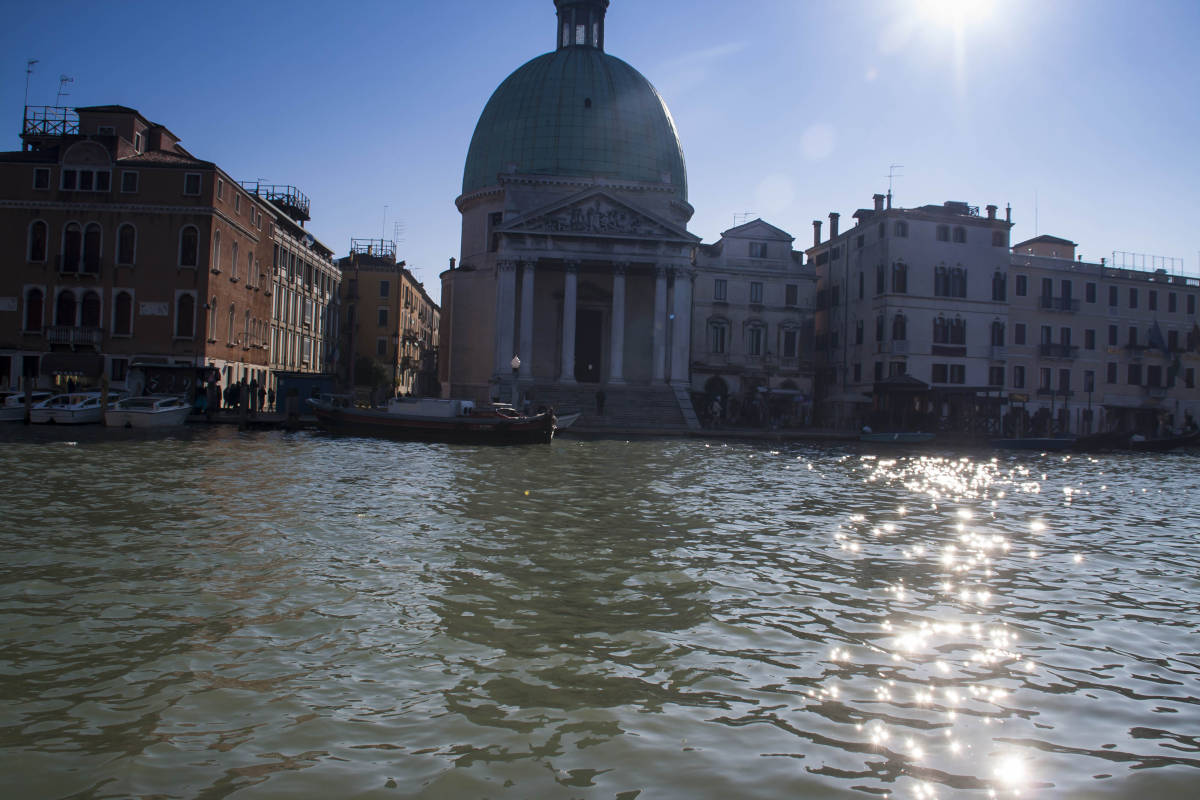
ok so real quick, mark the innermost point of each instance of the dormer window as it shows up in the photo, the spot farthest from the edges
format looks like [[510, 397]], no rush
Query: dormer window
[[137, 143], [758, 249]]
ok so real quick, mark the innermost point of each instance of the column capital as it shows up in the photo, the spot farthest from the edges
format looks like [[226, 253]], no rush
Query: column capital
[[661, 271], [620, 267], [528, 263], [506, 265], [572, 266]]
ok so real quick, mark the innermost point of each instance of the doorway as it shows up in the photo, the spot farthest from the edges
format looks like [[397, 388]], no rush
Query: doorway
[[589, 324]]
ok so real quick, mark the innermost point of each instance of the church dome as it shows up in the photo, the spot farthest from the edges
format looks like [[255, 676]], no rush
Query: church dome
[[576, 112]]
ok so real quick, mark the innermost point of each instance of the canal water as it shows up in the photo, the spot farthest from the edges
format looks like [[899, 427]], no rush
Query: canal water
[[268, 615]]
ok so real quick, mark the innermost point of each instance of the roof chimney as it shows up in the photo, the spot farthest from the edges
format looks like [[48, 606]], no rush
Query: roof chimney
[[816, 232], [1008, 212], [991, 212], [889, 199], [878, 198], [833, 221]]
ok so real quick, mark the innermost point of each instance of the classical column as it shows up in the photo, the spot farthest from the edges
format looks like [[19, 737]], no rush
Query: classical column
[[617, 338], [570, 284], [526, 349], [506, 309], [659, 346], [681, 331]]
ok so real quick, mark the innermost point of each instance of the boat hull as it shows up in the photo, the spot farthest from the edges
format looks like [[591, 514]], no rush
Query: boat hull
[[497, 430], [1038, 443], [64, 416], [116, 418], [896, 438]]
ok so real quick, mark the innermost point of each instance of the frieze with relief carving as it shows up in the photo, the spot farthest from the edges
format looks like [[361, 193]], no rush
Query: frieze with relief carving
[[598, 216]]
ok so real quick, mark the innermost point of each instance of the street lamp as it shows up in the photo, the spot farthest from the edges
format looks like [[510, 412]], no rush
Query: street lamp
[[516, 365]]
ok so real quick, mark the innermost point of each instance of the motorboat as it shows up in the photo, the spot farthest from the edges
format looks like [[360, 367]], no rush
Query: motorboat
[[434, 420], [75, 408], [156, 411], [13, 407]]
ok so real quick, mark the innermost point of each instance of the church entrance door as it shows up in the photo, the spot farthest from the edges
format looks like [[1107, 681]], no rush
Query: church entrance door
[[589, 324]]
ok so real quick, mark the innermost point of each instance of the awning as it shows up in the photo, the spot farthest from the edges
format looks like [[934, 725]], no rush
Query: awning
[[78, 365]]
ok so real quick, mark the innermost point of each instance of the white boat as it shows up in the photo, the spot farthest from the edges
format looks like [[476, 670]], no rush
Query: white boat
[[156, 411], [79, 408], [13, 409]]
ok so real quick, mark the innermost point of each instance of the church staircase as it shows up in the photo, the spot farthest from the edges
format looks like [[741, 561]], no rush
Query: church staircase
[[633, 408]]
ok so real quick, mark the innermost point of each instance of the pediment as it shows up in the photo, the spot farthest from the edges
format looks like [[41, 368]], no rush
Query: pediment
[[597, 214], [757, 229]]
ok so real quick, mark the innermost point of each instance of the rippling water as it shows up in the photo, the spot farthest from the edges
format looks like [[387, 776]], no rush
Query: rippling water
[[271, 615]]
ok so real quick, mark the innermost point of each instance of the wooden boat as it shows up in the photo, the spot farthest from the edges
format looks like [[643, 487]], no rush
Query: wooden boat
[[1101, 442], [900, 437], [148, 412], [432, 420], [1042, 444]]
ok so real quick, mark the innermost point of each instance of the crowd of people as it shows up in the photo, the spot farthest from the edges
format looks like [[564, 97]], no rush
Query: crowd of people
[[234, 397]]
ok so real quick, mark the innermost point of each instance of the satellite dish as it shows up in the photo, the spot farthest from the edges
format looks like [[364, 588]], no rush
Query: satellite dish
[[309, 241]]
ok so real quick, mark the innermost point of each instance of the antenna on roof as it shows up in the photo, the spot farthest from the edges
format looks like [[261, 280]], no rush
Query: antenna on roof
[[398, 231], [892, 175], [383, 227], [745, 216], [28, 71], [63, 80]]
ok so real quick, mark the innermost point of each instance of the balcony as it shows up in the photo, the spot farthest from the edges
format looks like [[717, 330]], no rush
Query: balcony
[[1065, 304], [1050, 350], [900, 347], [1048, 392], [75, 337]]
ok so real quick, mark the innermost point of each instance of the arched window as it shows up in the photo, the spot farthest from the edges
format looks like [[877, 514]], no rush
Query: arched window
[[900, 277], [189, 246], [64, 309], [229, 334], [34, 302], [185, 316], [123, 314], [212, 319], [941, 331], [89, 310], [234, 261], [91, 248], [251, 274], [958, 331], [899, 328], [38, 235], [72, 248], [941, 282], [126, 244], [958, 282], [216, 253], [997, 333], [999, 286], [246, 331]]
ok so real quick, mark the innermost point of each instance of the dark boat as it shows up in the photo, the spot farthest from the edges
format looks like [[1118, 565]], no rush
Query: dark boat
[[431, 420], [1162, 444], [1101, 442], [898, 437], [1043, 444]]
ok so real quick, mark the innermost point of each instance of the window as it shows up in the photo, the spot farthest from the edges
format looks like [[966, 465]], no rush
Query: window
[[754, 340], [718, 337], [880, 277], [1133, 298], [790, 340], [212, 319], [1019, 333], [900, 277], [861, 281], [1089, 292], [233, 263], [191, 183], [899, 328], [1172, 341], [756, 292], [958, 282], [1064, 337], [1172, 303], [998, 239], [1191, 304], [237, 204], [119, 367], [39, 234], [1189, 378], [1047, 287], [943, 233], [1022, 287], [1064, 380], [35, 301], [216, 252], [1152, 300], [72, 247], [1133, 337], [129, 182], [1110, 372], [857, 372], [858, 331], [385, 288], [1112, 296], [878, 370], [137, 143], [960, 235], [41, 177], [220, 189], [997, 333], [381, 346], [879, 327], [85, 180], [383, 317], [941, 282], [859, 241], [900, 228], [189, 246], [1133, 377], [1018, 377], [1045, 377], [126, 244], [1112, 335], [719, 289], [91, 249], [999, 287], [64, 308], [1047, 334], [185, 316], [1089, 339], [1089, 380], [758, 249], [791, 294], [937, 373], [895, 369], [958, 373]]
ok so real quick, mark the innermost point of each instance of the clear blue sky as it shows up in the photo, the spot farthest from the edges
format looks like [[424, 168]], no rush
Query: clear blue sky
[[785, 109]]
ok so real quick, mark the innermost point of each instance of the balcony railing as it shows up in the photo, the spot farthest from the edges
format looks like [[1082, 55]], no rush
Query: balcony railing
[[75, 337], [1050, 350], [1156, 392], [1058, 304], [900, 347]]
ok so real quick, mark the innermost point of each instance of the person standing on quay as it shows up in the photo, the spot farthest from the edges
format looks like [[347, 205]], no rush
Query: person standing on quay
[[252, 396], [271, 398]]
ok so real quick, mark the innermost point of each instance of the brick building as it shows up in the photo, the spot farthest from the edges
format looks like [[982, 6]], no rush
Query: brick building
[[119, 245]]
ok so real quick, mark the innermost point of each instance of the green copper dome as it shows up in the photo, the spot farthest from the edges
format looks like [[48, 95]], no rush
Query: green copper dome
[[576, 112]]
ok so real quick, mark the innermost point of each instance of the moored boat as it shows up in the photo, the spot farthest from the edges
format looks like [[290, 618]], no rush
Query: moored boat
[[13, 409], [899, 437], [1161, 444], [1043, 444], [78, 408], [148, 412], [433, 420]]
